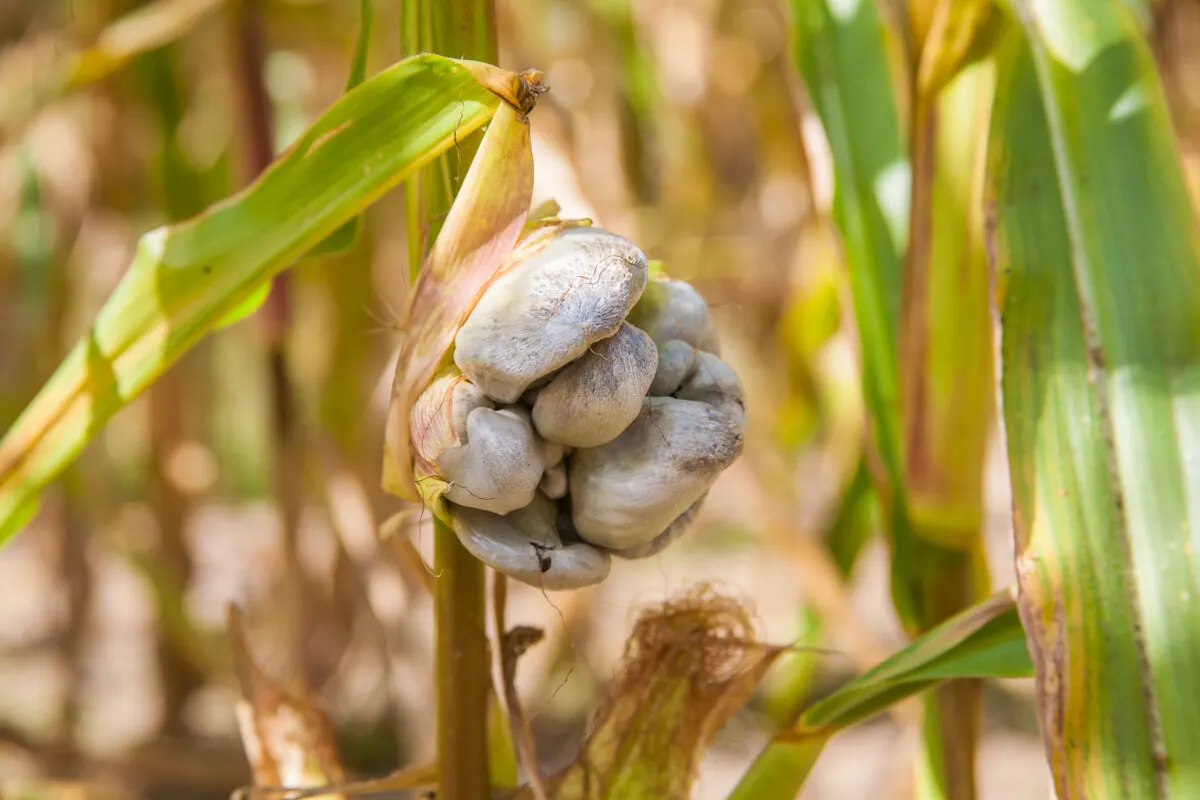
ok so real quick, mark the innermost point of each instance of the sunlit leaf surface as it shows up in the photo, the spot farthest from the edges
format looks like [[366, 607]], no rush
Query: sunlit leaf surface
[[186, 279], [1097, 262]]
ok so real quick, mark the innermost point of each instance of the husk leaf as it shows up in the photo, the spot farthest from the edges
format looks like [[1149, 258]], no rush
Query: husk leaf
[[480, 233], [689, 664]]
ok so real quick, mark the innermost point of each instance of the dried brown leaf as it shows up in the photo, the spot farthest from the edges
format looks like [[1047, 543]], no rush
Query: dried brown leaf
[[287, 736], [520, 91]]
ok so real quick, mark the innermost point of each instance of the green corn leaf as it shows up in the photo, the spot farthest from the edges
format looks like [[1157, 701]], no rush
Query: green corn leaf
[[188, 278], [358, 62], [344, 237], [148, 28], [985, 641], [841, 55], [1097, 260], [251, 303], [339, 241], [842, 58]]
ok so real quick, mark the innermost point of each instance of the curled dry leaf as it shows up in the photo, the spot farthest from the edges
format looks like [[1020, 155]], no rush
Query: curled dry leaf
[[513, 644], [520, 91], [287, 736]]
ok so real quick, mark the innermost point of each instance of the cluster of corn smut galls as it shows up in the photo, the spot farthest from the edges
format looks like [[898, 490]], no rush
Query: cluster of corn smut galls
[[591, 416]]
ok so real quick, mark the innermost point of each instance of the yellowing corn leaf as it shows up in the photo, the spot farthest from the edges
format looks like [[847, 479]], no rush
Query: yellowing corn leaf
[[149, 27], [689, 665], [960, 31], [1097, 261], [480, 233]]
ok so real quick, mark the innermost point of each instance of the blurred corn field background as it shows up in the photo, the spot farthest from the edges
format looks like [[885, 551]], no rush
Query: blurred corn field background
[[859, 190]]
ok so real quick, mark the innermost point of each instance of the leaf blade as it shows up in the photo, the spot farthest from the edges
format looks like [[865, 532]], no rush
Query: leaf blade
[[344, 237], [841, 60], [1098, 253], [186, 277], [977, 643], [984, 641]]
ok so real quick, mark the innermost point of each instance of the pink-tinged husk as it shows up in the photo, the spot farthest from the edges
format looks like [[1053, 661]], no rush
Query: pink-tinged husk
[[430, 415], [480, 232], [430, 432]]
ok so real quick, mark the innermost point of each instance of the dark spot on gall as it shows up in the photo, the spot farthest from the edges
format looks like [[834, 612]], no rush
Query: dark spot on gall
[[543, 557]]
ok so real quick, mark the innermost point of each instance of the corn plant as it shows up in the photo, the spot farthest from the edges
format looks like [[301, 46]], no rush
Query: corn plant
[[1093, 360], [1006, 173]]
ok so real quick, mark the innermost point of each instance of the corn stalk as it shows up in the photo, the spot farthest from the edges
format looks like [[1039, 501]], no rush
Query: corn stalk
[[945, 353], [465, 29]]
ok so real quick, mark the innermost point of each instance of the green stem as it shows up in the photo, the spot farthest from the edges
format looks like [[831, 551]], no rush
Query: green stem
[[462, 669]]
